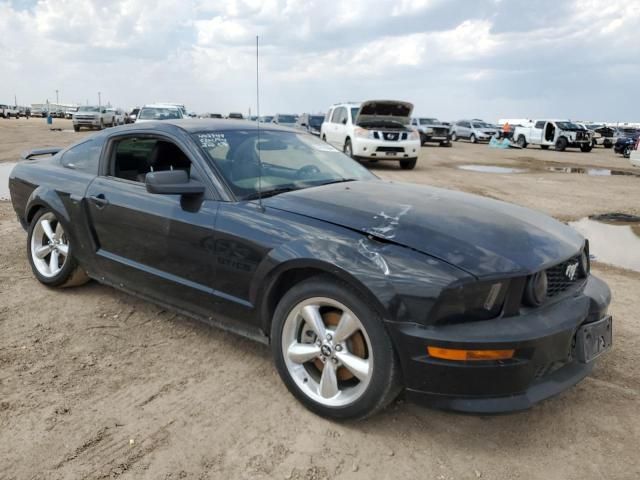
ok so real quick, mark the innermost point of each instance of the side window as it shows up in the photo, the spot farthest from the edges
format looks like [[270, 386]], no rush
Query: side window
[[342, 118], [540, 124], [134, 157], [335, 118], [84, 157]]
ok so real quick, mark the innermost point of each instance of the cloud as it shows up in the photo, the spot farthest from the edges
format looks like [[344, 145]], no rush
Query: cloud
[[451, 58]]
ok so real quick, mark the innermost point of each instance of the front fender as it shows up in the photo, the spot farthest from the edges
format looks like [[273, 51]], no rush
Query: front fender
[[400, 283]]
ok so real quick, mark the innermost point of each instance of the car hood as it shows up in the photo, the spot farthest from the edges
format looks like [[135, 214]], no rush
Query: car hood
[[481, 236], [384, 110]]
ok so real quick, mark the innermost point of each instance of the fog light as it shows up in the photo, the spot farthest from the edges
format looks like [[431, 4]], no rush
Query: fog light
[[465, 355]]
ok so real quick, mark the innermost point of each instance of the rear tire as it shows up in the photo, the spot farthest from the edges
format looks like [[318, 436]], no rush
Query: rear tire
[[50, 252], [364, 372], [408, 164], [522, 141]]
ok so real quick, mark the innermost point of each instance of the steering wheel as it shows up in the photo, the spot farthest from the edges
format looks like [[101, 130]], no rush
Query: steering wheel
[[308, 171]]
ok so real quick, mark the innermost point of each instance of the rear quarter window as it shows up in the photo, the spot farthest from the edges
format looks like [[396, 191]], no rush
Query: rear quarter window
[[83, 157]]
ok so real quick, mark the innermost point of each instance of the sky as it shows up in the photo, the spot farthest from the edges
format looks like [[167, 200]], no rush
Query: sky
[[452, 59]]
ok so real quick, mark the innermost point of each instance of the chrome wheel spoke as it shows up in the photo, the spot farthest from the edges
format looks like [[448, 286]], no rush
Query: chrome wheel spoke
[[346, 327], [329, 381], [53, 262], [59, 231], [302, 352], [48, 231], [311, 315], [63, 249], [42, 251], [359, 367]]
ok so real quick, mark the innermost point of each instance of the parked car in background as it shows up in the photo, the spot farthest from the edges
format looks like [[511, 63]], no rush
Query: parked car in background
[[560, 134], [602, 135], [133, 114], [38, 112], [214, 115], [24, 112], [235, 116], [373, 130], [626, 142], [118, 116], [310, 122], [361, 288], [92, 117], [155, 112], [473, 130], [432, 130], [285, 120], [266, 118], [8, 111], [68, 113]]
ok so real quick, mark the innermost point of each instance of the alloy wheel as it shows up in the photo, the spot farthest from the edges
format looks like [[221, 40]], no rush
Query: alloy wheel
[[49, 246], [327, 351]]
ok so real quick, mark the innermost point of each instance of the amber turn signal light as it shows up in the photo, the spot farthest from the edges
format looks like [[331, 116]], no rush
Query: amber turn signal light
[[464, 355]]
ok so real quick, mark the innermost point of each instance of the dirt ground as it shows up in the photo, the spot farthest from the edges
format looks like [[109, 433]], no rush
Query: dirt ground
[[97, 384]]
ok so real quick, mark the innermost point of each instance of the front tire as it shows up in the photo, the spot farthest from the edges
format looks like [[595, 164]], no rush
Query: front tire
[[348, 149], [586, 148], [627, 152], [473, 138], [454, 137], [50, 252], [76, 128], [561, 144], [332, 351], [408, 164]]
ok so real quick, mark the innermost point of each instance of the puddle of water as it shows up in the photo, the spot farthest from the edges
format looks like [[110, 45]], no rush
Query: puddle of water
[[616, 244], [491, 169], [5, 170], [594, 172]]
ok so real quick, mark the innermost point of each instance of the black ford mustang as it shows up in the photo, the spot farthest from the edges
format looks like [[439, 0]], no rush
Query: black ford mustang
[[362, 287]]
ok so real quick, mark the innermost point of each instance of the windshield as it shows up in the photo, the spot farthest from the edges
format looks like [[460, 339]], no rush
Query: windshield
[[290, 161], [316, 120], [286, 119], [89, 109], [159, 114], [428, 121], [481, 125]]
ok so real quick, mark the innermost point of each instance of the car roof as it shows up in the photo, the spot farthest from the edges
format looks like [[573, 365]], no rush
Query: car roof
[[161, 105], [192, 125]]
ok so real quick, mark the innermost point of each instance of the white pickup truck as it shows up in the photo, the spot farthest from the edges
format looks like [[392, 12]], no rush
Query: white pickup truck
[[8, 111], [93, 117], [560, 134]]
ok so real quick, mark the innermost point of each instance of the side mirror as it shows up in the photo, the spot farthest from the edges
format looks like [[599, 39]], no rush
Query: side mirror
[[344, 121], [303, 125], [172, 182]]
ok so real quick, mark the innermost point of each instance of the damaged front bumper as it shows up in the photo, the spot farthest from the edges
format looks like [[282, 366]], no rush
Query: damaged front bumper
[[547, 359]]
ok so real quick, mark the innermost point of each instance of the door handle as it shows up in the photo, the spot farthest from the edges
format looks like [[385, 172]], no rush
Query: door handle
[[100, 201]]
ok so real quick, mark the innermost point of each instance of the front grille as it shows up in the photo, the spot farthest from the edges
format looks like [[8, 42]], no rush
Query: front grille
[[559, 279], [85, 117], [390, 149], [440, 131], [392, 136]]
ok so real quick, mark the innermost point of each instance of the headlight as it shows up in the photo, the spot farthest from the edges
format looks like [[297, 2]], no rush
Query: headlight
[[362, 133], [535, 292], [469, 302], [585, 261], [428, 130], [413, 135]]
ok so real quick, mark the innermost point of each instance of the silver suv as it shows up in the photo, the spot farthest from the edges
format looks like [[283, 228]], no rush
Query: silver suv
[[474, 130]]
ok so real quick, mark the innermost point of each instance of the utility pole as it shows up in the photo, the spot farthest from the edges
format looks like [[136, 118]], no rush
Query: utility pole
[[99, 99], [57, 99], [15, 99]]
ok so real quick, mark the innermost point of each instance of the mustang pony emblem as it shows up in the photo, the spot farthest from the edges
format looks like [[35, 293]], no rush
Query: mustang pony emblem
[[571, 270]]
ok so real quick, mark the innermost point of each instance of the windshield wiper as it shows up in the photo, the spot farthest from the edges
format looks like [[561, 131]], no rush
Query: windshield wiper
[[270, 193], [340, 180]]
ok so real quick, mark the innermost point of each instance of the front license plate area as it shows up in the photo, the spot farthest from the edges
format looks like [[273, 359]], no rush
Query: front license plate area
[[391, 154], [594, 339]]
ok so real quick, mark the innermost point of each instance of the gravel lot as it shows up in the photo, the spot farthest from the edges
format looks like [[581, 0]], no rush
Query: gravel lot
[[97, 384]]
